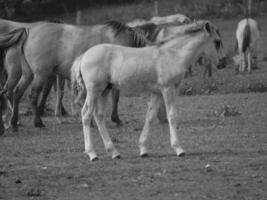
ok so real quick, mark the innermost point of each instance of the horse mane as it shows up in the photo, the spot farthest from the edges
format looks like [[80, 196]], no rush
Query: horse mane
[[137, 39], [149, 30]]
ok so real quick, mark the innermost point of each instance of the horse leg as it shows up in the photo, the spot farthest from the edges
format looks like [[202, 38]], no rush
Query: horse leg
[[2, 126], [100, 119], [249, 60], [45, 92], [24, 82], [115, 99], [38, 82], [153, 106], [87, 115], [169, 99], [60, 110]]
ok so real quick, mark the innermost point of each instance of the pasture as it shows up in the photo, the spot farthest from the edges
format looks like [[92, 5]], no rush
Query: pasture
[[226, 157]]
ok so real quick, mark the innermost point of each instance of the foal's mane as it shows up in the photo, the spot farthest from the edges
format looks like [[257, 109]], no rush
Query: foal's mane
[[137, 39], [189, 29]]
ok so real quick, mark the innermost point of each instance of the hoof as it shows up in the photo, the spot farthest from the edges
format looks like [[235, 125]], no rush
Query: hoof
[[180, 152], [116, 157], [117, 121], [144, 155], [39, 124], [2, 131], [14, 129], [94, 159]]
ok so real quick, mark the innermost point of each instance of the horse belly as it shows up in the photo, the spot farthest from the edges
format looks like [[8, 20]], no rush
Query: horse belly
[[136, 84]]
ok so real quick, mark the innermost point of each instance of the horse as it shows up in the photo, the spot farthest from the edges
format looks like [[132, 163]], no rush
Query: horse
[[12, 65], [156, 69], [247, 34], [51, 49], [176, 19], [8, 40]]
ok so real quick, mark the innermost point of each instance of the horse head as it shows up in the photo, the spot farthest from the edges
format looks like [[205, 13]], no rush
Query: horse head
[[218, 44]]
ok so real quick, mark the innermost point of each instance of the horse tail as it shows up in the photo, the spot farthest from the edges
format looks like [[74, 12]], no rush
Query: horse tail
[[76, 76], [17, 36], [246, 37]]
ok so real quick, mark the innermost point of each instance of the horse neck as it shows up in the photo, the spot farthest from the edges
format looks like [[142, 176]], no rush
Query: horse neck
[[187, 48]]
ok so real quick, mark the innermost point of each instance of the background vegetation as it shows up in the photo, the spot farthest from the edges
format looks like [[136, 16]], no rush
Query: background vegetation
[[31, 10]]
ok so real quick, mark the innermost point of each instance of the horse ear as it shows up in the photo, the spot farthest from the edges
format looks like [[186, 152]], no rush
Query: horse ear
[[207, 27]]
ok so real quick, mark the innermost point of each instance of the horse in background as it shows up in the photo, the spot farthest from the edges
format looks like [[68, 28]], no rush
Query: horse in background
[[247, 34], [14, 38], [157, 69], [176, 19], [12, 65], [51, 49]]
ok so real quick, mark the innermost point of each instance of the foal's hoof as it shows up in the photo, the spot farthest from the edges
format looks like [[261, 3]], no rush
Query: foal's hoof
[[180, 152], [94, 159], [116, 157]]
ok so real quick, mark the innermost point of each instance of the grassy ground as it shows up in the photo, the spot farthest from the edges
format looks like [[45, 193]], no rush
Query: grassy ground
[[226, 156]]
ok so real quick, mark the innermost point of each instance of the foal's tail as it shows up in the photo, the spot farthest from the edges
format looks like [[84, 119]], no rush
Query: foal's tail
[[246, 37], [76, 77], [17, 36]]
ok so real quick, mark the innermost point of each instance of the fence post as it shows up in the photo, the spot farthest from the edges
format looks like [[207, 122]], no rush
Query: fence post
[[156, 8]]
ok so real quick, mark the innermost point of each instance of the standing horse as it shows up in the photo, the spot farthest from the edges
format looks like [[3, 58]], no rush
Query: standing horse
[[8, 40], [51, 49], [157, 69], [176, 19], [11, 61], [247, 34]]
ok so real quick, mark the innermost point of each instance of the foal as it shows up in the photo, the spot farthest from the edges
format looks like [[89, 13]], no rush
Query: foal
[[157, 69], [247, 34]]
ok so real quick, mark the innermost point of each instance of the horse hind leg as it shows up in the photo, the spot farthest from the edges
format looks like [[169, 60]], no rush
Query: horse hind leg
[[115, 100], [60, 110], [100, 119], [249, 60], [19, 90], [45, 92], [87, 115], [37, 85], [153, 106]]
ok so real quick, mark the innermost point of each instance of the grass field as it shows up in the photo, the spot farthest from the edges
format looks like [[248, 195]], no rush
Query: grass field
[[226, 156]]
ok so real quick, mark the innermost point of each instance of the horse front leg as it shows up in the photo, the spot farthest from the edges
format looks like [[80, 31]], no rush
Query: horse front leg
[[153, 106], [169, 99], [100, 119], [115, 100]]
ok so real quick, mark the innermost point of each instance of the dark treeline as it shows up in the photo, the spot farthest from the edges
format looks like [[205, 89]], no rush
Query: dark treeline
[[27, 9], [31, 10]]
